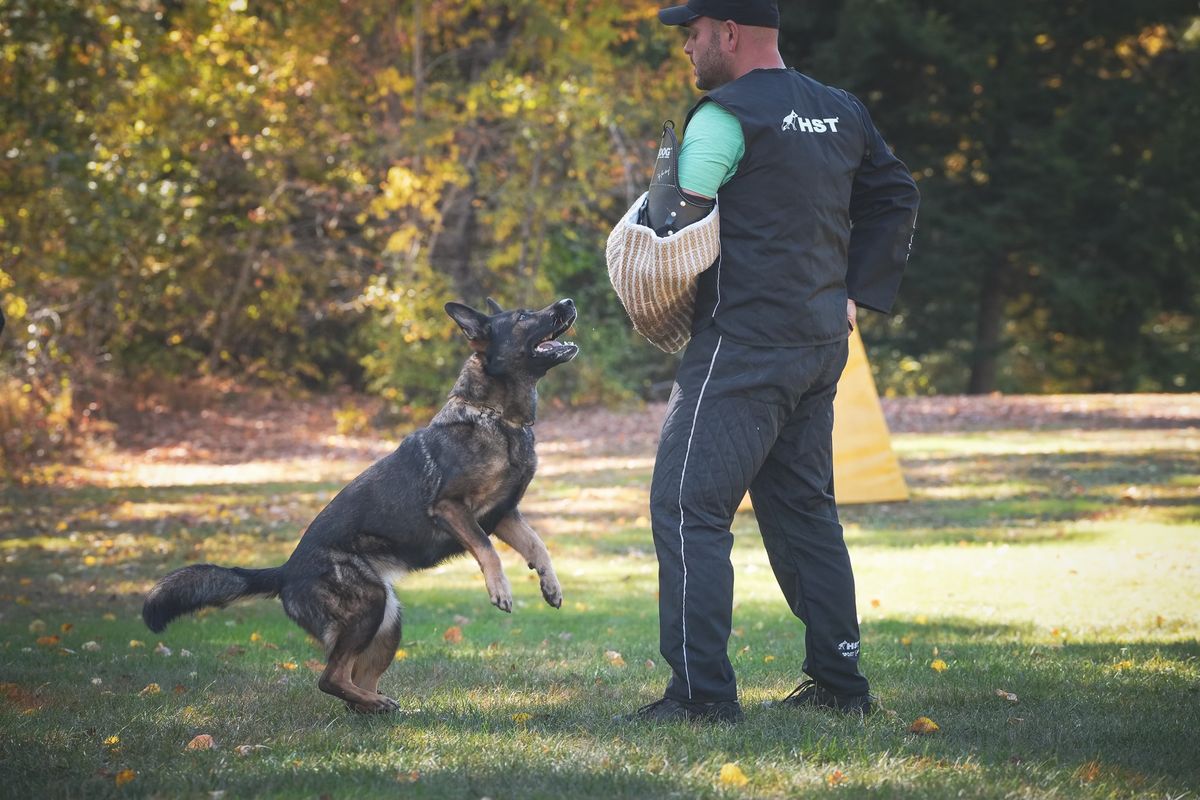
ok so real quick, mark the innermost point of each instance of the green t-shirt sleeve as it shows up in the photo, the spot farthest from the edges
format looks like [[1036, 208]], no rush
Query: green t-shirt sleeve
[[713, 144]]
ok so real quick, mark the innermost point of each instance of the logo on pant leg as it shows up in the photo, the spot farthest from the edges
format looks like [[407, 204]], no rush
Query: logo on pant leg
[[848, 649]]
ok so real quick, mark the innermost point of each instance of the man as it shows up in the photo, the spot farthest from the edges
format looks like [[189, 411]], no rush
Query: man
[[794, 164]]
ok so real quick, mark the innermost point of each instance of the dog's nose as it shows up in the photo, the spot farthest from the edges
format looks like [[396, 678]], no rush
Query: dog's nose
[[566, 306]]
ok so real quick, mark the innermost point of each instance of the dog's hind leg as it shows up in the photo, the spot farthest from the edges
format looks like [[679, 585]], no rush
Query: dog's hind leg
[[374, 661], [346, 607], [514, 531]]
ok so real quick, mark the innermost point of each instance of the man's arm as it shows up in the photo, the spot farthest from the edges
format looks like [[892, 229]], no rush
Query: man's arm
[[883, 210], [713, 145]]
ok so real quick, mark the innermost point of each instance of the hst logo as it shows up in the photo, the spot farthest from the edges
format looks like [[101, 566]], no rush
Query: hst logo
[[795, 122]]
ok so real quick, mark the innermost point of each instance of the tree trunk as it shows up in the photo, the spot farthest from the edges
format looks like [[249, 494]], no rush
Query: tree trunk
[[988, 328]]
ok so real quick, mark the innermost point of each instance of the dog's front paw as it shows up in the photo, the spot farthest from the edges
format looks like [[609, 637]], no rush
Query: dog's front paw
[[551, 590], [501, 594]]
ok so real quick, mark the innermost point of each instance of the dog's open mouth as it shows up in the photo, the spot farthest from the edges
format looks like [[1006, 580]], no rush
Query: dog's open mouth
[[551, 347]]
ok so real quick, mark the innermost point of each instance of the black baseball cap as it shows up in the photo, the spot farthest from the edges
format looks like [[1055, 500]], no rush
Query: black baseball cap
[[760, 13]]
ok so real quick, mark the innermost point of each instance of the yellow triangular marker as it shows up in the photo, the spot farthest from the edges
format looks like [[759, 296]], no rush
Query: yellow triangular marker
[[865, 470]]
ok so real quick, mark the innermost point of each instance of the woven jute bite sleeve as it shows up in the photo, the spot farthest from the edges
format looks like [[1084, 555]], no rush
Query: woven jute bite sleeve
[[655, 277]]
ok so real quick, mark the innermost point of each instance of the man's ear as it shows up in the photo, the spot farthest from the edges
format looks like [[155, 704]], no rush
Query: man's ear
[[494, 307], [473, 324]]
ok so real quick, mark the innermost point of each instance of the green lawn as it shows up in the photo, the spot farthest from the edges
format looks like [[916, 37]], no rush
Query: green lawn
[[1060, 566]]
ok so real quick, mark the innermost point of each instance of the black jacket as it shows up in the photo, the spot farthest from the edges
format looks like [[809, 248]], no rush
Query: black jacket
[[818, 209]]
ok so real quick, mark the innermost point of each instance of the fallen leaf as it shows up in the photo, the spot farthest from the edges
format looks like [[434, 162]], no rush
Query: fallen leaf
[[48, 641], [179, 689], [201, 742], [401, 654], [37, 626], [649, 663], [938, 665], [288, 665], [905, 641], [923, 726], [768, 659], [162, 649], [732, 775], [1088, 772], [614, 658], [314, 665], [874, 604], [112, 740], [453, 634], [151, 688], [459, 619], [136, 643], [1009, 696], [244, 749], [124, 776], [65, 627], [836, 777], [254, 637], [521, 717], [90, 647]]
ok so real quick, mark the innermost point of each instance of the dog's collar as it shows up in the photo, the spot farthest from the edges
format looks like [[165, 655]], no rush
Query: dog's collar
[[491, 413]]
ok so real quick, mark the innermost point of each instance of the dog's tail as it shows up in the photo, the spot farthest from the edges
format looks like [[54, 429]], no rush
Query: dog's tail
[[201, 585]]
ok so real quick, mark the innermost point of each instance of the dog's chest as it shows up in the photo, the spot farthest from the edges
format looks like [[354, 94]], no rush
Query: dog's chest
[[501, 479]]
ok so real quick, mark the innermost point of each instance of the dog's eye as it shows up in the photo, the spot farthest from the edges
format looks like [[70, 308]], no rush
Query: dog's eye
[[522, 317]]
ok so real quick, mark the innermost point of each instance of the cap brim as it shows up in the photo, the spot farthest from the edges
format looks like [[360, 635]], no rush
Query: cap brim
[[677, 15]]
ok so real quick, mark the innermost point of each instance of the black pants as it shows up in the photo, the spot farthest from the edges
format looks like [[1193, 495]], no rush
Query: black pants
[[759, 419]]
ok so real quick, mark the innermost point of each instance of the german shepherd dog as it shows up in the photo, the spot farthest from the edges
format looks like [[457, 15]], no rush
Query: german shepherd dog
[[443, 491]]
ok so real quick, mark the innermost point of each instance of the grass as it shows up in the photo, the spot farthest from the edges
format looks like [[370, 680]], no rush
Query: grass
[[1060, 566]]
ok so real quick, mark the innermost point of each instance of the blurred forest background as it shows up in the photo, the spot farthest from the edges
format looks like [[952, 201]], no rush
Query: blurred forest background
[[285, 192]]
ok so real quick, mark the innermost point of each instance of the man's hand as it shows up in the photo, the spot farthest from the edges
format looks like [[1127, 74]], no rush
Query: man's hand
[[851, 313]]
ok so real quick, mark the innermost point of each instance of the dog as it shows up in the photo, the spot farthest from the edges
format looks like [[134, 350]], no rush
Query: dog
[[442, 492]]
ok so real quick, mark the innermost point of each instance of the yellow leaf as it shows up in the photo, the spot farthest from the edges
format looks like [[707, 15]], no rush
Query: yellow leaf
[[905, 641], [151, 688], [938, 665], [875, 602], [314, 665], [47, 641], [836, 777], [401, 654], [201, 742], [768, 659], [65, 627], [254, 637], [453, 634], [521, 717], [1088, 772], [732, 775], [288, 665], [1009, 696], [124, 776], [135, 643], [923, 726], [112, 740], [614, 658]]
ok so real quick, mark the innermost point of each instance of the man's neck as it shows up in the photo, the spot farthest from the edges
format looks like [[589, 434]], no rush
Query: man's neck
[[766, 61]]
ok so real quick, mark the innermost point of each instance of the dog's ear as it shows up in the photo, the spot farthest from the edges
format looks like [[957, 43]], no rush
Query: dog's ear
[[473, 324], [494, 307]]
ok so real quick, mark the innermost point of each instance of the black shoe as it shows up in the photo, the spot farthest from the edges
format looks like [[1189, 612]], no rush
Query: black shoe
[[668, 710], [811, 694]]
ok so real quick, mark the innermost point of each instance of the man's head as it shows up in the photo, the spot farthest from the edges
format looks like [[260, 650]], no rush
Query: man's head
[[727, 38]]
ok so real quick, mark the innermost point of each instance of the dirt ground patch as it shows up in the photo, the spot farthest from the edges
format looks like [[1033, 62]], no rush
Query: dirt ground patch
[[245, 428]]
